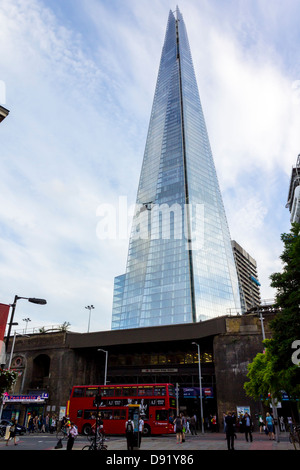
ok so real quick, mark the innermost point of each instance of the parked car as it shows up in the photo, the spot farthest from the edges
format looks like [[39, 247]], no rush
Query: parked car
[[5, 422]]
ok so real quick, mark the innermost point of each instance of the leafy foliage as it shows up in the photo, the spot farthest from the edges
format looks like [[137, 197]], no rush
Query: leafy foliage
[[7, 379], [274, 371]]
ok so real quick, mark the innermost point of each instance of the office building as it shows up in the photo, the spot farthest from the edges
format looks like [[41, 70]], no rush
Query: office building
[[248, 279], [180, 265]]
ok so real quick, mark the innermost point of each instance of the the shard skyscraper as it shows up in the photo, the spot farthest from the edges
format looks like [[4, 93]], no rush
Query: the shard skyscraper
[[180, 266]]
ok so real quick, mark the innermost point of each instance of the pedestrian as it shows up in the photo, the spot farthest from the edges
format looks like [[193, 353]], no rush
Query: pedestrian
[[31, 424], [52, 424], [193, 425], [129, 430], [47, 423], [183, 421], [73, 433], [270, 426], [178, 429], [234, 423], [261, 423], [230, 430], [224, 422], [290, 423], [35, 423], [214, 424], [141, 429], [282, 424], [12, 432], [188, 425], [247, 424]]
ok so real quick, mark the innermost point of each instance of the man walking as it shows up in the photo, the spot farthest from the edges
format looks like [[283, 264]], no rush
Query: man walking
[[247, 426], [230, 425], [71, 437]]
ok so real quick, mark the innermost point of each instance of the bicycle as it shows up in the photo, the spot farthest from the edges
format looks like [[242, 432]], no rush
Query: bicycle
[[98, 445], [295, 436], [63, 433]]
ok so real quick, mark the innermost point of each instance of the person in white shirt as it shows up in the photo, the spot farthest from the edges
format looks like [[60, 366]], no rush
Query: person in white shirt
[[141, 429], [73, 432]]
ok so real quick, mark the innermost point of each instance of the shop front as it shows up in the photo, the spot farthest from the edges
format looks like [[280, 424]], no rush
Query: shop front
[[21, 407]]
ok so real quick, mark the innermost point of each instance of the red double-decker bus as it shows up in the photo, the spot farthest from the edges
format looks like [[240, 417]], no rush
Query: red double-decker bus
[[157, 407]]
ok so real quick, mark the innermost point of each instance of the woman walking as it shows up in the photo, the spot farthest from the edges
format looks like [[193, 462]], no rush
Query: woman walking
[[178, 429], [12, 432], [270, 426]]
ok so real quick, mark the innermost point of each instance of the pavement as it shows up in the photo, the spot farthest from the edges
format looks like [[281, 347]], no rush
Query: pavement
[[207, 441]]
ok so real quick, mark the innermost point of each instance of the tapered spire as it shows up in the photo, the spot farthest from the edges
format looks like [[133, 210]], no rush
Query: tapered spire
[[180, 266]]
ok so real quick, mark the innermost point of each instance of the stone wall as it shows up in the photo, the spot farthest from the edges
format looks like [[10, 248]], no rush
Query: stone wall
[[233, 351]]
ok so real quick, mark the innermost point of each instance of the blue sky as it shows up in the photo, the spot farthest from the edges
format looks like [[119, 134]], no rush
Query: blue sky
[[79, 79]]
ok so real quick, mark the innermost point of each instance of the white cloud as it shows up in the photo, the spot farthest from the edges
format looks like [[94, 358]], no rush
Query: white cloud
[[79, 88]]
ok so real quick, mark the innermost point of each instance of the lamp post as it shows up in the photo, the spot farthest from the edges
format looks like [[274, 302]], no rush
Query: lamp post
[[105, 370], [30, 299], [9, 364], [89, 307], [200, 385], [273, 401], [27, 320]]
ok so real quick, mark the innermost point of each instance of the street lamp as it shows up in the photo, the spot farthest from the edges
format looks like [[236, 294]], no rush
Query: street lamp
[[30, 299], [9, 363], [200, 385], [105, 371], [273, 402], [27, 320], [89, 307]]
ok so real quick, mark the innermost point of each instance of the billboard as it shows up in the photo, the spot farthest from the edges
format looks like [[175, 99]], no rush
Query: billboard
[[4, 309]]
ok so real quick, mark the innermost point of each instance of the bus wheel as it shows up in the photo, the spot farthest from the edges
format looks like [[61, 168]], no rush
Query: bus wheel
[[146, 431], [86, 430]]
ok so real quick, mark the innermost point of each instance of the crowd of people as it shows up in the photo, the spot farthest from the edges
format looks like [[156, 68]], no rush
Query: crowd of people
[[38, 423], [244, 424]]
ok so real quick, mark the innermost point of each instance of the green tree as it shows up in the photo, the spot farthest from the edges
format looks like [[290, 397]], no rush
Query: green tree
[[286, 325], [7, 380], [274, 370]]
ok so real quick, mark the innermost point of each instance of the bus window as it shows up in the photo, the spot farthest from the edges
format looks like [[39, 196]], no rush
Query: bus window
[[91, 391], [107, 414], [78, 392], [119, 414], [79, 413], [107, 392], [161, 415], [129, 391], [118, 391], [89, 414], [159, 391], [171, 389], [145, 391]]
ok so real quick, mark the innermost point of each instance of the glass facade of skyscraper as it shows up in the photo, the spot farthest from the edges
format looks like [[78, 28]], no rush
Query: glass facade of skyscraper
[[180, 266]]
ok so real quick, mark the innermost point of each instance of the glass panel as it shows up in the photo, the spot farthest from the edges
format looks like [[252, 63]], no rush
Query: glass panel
[[106, 414], [91, 391], [159, 390], [161, 415], [180, 265], [78, 392], [145, 391], [129, 391], [107, 392], [89, 414], [119, 414]]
